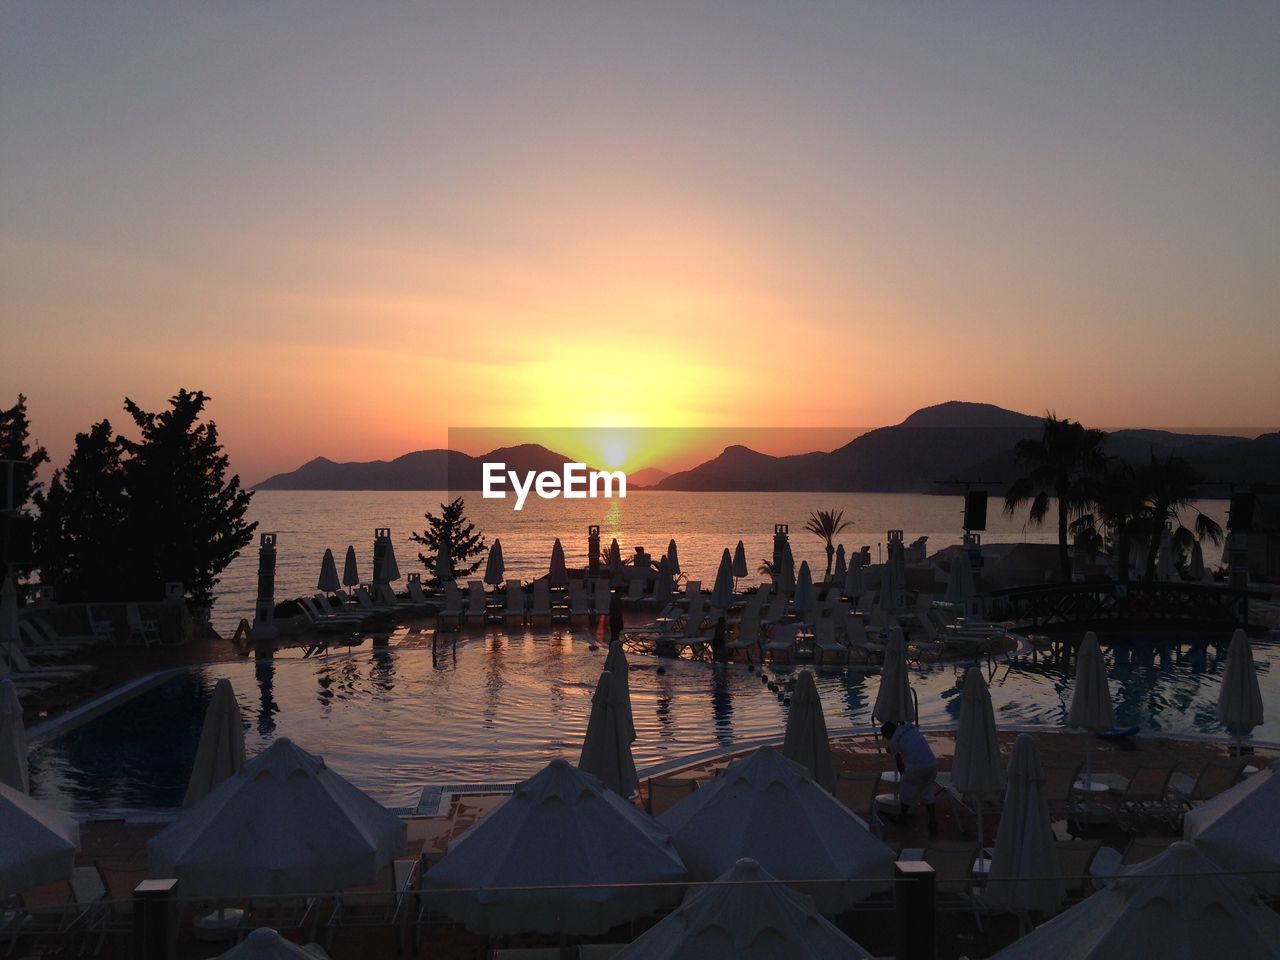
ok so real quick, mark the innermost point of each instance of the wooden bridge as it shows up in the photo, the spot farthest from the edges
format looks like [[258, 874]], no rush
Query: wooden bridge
[[1135, 603]]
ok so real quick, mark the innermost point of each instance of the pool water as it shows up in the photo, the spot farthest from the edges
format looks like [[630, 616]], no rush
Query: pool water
[[496, 709]]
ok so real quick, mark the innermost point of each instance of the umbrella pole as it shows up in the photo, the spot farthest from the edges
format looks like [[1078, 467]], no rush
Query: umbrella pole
[[979, 816], [1088, 761]]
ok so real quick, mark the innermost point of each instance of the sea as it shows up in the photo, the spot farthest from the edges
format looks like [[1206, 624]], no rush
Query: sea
[[306, 523]]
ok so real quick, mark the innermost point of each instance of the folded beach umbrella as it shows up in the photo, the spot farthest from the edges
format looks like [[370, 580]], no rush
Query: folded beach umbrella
[[1179, 905], [853, 578], [662, 589], [806, 739], [959, 580], [329, 581], [1025, 875], [977, 771], [890, 588], [740, 561], [495, 569], [1091, 706], [722, 592], [1237, 828], [806, 598], [767, 807], [558, 575], [350, 575], [8, 613], [620, 670], [267, 944], [745, 915], [562, 855], [894, 703], [13, 740], [444, 562], [1240, 699], [606, 748], [285, 825], [615, 556], [1165, 569], [390, 569], [786, 577], [841, 568], [673, 559], [39, 844], [1195, 566], [220, 754]]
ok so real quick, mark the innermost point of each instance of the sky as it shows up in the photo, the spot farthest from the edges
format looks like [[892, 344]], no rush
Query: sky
[[357, 226]]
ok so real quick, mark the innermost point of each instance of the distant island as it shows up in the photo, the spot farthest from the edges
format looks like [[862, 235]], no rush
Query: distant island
[[950, 441]]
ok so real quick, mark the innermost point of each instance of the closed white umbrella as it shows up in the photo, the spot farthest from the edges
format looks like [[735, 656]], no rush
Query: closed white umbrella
[[615, 556], [740, 561], [1165, 568], [286, 824], [806, 598], [1178, 905], [766, 807], [1240, 699], [894, 703], [806, 736], [1237, 828], [329, 581], [722, 592], [673, 559], [350, 574], [1025, 875], [558, 575], [39, 844], [1091, 706], [267, 944], [391, 569], [13, 740], [8, 614], [745, 915], [853, 579], [606, 748], [662, 587], [890, 588], [1195, 566], [841, 568], [959, 580], [494, 568], [220, 754], [786, 577], [562, 855], [977, 771], [616, 664]]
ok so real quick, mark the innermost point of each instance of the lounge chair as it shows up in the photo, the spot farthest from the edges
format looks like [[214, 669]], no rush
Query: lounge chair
[[366, 603], [635, 590], [57, 926], [857, 790], [1145, 794], [52, 635], [665, 792], [330, 622], [1215, 776], [104, 631], [783, 642], [540, 608], [825, 642], [952, 861], [452, 610], [1059, 788], [390, 910], [1075, 857], [600, 595], [748, 636], [515, 611], [18, 663], [144, 630], [579, 605], [692, 591], [600, 951], [36, 646], [477, 602]]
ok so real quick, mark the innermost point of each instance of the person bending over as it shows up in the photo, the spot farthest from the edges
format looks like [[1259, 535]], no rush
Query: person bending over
[[918, 768]]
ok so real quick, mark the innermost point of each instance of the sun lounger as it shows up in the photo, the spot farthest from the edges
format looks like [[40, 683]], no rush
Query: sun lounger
[[1145, 794], [515, 611], [665, 792], [748, 636], [52, 635], [477, 602], [782, 643], [330, 622], [857, 790], [366, 604], [692, 591], [635, 590], [1075, 857], [35, 645], [826, 643], [1215, 776], [380, 910], [452, 610], [1059, 788], [600, 595], [142, 629], [18, 663], [540, 608], [579, 605]]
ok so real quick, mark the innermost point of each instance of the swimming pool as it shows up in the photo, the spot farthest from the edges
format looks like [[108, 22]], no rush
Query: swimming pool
[[496, 709]]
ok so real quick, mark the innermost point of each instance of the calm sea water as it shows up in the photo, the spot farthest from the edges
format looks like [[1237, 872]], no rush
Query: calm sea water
[[703, 524]]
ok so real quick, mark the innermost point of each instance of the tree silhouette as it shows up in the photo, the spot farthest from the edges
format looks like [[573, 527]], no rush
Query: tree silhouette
[[1061, 465], [1169, 485], [15, 444], [81, 516], [826, 526], [1120, 516], [467, 547], [184, 518]]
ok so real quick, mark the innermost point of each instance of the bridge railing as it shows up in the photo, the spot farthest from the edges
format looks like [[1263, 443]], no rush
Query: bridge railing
[[1137, 602]]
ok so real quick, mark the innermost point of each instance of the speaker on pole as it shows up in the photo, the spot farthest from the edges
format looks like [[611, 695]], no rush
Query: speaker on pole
[[975, 510], [1240, 517]]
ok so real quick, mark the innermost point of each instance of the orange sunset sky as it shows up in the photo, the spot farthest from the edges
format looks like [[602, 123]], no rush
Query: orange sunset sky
[[356, 227]]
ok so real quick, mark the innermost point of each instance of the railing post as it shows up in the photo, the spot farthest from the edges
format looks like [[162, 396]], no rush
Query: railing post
[[155, 920], [913, 894]]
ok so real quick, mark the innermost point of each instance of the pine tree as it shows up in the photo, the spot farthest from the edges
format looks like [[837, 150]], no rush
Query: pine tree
[[184, 518], [78, 532], [15, 445], [467, 547]]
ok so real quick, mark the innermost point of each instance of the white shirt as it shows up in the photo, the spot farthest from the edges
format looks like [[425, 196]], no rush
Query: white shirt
[[910, 742]]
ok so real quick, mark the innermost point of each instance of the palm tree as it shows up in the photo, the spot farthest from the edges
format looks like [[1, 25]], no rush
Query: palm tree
[[826, 525], [1119, 516], [1061, 466], [1169, 486], [766, 568]]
